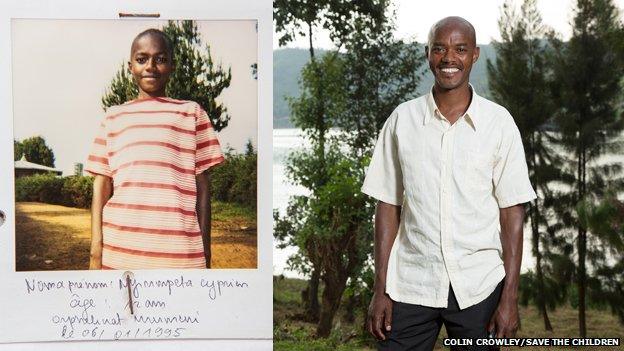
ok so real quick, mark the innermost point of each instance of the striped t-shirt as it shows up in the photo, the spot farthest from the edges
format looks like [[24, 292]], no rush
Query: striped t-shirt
[[153, 149]]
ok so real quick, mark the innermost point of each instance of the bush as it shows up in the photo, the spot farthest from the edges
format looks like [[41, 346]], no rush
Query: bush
[[40, 187], [74, 191], [236, 179], [77, 191]]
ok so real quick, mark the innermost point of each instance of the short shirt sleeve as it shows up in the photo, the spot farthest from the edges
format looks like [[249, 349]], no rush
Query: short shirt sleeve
[[384, 178], [511, 177], [98, 160], [207, 148]]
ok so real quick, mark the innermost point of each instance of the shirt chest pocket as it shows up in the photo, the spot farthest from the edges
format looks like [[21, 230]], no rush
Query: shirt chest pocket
[[476, 172]]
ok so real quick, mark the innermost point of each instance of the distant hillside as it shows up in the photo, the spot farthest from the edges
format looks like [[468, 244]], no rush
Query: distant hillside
[[287, 64]]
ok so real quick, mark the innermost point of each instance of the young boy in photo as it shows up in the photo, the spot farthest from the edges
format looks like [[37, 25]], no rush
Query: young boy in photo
[[151, 196]]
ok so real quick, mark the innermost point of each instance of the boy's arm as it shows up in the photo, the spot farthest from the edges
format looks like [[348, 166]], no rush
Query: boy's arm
[[387, 218], [102, 191], [203, 209]]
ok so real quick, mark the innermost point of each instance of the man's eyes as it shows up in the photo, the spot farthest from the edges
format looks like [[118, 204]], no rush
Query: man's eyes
[[441, 50]]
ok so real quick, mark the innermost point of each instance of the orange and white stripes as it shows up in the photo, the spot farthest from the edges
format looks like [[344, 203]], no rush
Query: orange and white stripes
[[153, 149]]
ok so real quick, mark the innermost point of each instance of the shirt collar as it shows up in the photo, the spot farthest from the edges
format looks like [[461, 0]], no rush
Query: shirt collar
[[471, 113]]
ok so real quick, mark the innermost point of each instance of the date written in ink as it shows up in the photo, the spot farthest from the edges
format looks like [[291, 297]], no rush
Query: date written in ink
[[98, 333]]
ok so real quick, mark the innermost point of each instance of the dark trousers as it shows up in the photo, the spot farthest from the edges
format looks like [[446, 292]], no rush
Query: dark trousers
[[416, 327]]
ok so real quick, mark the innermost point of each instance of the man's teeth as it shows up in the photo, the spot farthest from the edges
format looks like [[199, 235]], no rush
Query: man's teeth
[[450, 70]]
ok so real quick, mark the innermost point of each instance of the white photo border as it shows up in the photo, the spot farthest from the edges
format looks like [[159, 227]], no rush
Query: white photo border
[[243, 323]]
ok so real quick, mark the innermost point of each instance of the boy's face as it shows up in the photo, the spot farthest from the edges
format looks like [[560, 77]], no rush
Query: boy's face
[[150, 65]]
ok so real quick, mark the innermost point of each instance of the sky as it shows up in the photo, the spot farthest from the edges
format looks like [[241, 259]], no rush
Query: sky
[[61, 69], [414, 18]]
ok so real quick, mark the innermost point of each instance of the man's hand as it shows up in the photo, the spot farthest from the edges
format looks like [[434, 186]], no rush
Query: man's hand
[[505, 319], [387, 219], [379, 316]]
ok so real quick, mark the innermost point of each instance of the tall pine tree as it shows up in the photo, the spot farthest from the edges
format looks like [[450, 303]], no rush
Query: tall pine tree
[[586, 87], [518, 81]]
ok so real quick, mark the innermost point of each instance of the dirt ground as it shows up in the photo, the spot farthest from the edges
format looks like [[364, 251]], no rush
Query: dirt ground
[[52, 237]]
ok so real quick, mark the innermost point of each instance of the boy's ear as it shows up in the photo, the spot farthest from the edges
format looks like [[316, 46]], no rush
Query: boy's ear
[[129, 66]]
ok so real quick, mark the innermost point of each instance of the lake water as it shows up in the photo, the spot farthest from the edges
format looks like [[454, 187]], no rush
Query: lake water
[[286, 140]]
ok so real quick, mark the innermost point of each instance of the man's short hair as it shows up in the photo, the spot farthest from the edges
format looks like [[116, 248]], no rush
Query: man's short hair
[[452, 19]]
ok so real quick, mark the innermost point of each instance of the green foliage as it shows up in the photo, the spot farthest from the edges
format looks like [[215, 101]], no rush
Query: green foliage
[[17, 150], [121, 90], [320, 77], [552, 294], [236, 179], [74, 191], [35, 149], [196, 77], [77, 191], [40, 187], [605, 220], [298, 17], [379, 73]]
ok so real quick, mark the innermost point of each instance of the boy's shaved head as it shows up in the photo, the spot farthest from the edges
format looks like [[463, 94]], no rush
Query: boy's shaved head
[[156, 34], [453, 21]]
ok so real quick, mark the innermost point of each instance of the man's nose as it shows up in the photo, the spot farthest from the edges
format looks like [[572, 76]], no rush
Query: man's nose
[[448, 56]]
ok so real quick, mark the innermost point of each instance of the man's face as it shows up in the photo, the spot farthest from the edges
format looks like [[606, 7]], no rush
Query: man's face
[[451, 53], [150, 65]]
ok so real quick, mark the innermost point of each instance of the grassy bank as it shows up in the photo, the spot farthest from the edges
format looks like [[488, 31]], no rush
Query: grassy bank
[[292, 332], [53, 237]]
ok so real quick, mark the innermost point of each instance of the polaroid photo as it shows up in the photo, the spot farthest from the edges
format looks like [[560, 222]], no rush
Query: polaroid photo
[[136, 201]]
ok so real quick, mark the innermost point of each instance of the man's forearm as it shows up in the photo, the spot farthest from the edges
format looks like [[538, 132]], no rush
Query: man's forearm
[[512, 222], [204, 212], [387, 219]]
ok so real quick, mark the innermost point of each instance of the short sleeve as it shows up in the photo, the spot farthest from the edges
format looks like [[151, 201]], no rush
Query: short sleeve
[[511, 177], [384, 178], [207, 148], [98, 160]]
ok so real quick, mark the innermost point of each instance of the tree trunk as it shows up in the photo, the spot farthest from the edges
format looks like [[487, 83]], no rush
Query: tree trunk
[[541, 293], [581, 282], [332, 293], [541, 290], [310, 298], [350, 307], [582, 245]]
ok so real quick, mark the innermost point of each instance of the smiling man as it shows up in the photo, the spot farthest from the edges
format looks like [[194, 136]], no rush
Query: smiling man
[[451, 179]]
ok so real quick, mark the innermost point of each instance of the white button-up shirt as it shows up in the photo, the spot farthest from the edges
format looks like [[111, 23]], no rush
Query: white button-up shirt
[[451, 181]]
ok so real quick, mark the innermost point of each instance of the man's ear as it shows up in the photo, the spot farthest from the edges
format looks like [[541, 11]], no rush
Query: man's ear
[[475, 55], [426, 51]]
